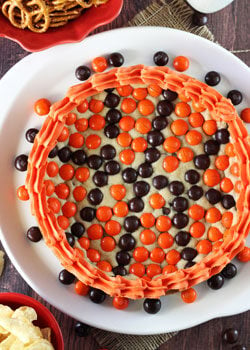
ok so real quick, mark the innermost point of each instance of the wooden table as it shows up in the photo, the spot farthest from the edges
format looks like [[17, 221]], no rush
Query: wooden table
[[231, 29]]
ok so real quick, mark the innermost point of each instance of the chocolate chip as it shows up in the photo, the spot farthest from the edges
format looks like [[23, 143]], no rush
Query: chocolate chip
[[176, 187], [96, 295], [123, 258], [152, 155], [141, 188], [87, 214], [112, 167], [79, 157], [180, 220], [131, 223], [94, 161], [180, 204], [111, 100], [109, 89], [230, 335], [189, 264], [119, 271], [195, 192], [211, 147], [159, 123], [53, 152], [182, 238], [77, 229], [82, 73], [202, 161], [70, 238], [228, 201], [65, 277], [155, 138], [82, 330], [100, 178], [108, 152], [169, 95], [192, 176], [21, 162], [95, 196], [113, 116], [188, 253], [31, 134], [145, 170], [235, 97], [229, 271], [136, 204], [152, 306], [64, 154], [111, 131], [126, 242], [215, 282], [161, 58], [166, 211], [199, 19], [34, 234], [129, 175], [165, 108], [239, 347], [212, 78], [116, 59], [160, 181], [222, 136], [213, 196]]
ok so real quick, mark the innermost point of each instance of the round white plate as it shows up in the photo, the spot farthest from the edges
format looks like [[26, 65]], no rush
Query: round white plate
[[49, 74], [208, 6]]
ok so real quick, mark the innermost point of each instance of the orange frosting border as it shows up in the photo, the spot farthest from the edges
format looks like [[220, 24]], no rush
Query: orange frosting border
[[72, 259]]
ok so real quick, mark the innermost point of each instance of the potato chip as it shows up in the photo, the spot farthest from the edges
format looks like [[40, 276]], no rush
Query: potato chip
[[27, 312], [41, 344], [46, 332], [6, 344], [5, 311], [17, 345], [1, 262]]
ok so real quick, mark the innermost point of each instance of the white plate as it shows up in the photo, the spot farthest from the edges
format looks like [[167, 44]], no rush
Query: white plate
[[208, 6], [49, 74]]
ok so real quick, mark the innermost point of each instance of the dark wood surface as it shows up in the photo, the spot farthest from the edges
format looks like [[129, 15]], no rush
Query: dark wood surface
[[231, 29]]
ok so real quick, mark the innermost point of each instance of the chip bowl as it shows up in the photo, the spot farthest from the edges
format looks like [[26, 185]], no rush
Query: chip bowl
[[44, 316]]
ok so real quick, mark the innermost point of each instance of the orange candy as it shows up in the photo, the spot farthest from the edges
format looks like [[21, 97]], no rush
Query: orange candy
[[196, 120], [238, 186], [71, 118], [143, 125], [214, 234], [93, 255], [153, 270], [81, 124], [139, 144], [120, 303], [244, 255], [69, 209], [165, 240], [82, 174], [127, 156], [146, 107], [42, 106], [179, 127], [79, 193], [22, 193], [213, 215], [147, 220], [204, 246], [184, 98], [104, 266], [147, 237], [197, 229], [140, 254], [63, 222], [64, 134], [181, 63], [128, 105], [189, 295], [154, 90], [66, 172], [120, 209], [222, 162], [50, 187], [170, 164], [211, 177], [196, 212], [234, 169], [96, 106], [125, 90], [157, 255], [52, 169], [163, 223], [99, 64], [193, 137], [171, 144], [185, 154], [93, 141], [95, 231], [96, 122], [198, 107], [172, 257], [140, 93], [210, 127], [182, 109], [217, 245], [118, 192], [104, 213], [108, 244], [245, 115], [76, 140], [81, 288], [169, 269], [84, 242], [137, 269], [83, 107], [112, 227], [156, 201], [227, 219], [54, 205], [124, 139], [226, 185], [126, 123], [229, 150]]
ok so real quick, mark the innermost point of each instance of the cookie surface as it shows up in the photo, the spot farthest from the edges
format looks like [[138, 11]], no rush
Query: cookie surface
[[151, 178]]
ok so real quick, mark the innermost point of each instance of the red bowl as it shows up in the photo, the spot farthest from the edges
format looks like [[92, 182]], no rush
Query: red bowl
[[44, 316], [74, 31]]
